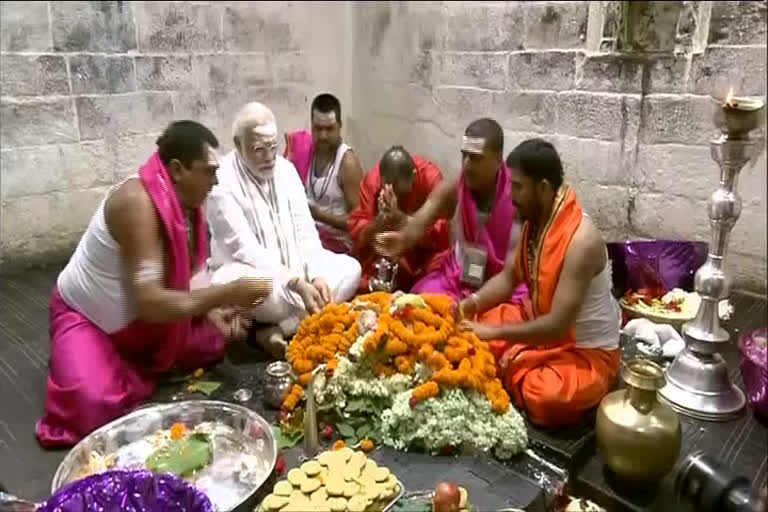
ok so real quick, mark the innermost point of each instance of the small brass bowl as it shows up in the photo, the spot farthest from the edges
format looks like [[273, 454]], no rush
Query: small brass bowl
[[740, 116]]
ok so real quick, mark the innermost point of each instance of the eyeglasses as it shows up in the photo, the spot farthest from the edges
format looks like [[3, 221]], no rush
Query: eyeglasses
[[269, 148]]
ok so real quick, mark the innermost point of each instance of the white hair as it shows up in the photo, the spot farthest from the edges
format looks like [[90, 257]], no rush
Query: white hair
[[252, 114]]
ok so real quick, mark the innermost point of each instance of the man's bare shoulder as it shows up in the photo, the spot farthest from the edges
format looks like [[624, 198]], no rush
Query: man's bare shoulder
[[350, 159], [129, 204], [588, 244]]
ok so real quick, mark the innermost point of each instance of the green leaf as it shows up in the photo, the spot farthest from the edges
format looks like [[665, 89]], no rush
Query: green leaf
[[345, 430], [182, 457], [363, 431], [355, 405], [286, 440], [351, 441], [204, 386]]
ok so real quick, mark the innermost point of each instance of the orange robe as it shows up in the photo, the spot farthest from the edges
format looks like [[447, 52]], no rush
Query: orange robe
[[426, 255], [554, 382]]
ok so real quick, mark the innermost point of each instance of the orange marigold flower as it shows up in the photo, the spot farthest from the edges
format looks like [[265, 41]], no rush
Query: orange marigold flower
[[339, 444], [290, 402], [404, 364], [304, 378], [429, 389], [437, 361], [396, 347], [177, 431], [366, 445], [425, 351], [302, 366]]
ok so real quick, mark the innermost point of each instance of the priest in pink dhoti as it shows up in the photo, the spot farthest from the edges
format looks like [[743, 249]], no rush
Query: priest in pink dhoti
[[484, 226], [131, 304], [330, 171]]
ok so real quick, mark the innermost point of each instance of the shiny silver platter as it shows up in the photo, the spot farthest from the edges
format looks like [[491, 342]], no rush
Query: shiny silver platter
[[244, 447]]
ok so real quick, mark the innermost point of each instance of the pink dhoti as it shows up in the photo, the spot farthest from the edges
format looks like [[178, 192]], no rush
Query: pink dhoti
[[95, 377]]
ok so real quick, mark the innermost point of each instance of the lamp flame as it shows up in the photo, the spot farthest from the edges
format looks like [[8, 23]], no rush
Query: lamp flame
[[729, 98]]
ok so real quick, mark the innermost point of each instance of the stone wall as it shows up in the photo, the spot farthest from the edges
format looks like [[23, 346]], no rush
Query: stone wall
[[87, 86], [633, 130]]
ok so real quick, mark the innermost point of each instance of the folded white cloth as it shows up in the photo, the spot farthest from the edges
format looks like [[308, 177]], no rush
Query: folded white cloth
[[660, 335]]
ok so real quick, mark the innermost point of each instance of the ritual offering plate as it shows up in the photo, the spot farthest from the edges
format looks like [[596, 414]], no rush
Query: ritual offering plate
[[335, 481], [225, 450], [674, 307]]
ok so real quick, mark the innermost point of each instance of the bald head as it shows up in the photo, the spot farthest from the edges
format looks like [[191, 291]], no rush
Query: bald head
[[396, 164], [254, 133]]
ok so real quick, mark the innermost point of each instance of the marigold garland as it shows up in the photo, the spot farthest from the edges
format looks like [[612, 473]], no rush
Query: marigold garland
[[459, 359]]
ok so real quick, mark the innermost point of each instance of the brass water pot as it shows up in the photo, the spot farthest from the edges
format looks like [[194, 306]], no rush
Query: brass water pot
[[638, 436]]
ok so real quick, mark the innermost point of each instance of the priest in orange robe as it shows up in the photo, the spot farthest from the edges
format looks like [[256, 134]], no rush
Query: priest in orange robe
[[395, 188], [558, 352]]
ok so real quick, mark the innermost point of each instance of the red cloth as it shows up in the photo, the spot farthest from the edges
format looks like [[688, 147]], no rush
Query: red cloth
[[425, 256], [557, 382]]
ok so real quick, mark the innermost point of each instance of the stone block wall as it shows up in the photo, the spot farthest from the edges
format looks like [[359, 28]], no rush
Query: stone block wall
[[633, 130], [87, 86]]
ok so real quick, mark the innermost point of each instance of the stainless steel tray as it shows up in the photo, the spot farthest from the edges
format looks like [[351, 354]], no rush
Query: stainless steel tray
[[386, 508], [247, 449]]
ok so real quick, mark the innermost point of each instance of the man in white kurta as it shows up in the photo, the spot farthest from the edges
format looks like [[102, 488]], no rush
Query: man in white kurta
[[261, 226]]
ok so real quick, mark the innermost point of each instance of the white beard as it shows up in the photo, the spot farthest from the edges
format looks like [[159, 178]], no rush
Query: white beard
[[263, 174]]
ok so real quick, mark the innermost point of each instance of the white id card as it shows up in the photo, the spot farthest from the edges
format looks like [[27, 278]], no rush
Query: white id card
[[473, 267]]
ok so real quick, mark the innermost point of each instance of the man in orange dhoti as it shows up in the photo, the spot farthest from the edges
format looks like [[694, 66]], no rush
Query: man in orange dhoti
[[558, 353], [389, 194]]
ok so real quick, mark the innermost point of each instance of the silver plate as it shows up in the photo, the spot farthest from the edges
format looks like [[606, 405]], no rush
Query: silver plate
[[237, 431], [386, 508]]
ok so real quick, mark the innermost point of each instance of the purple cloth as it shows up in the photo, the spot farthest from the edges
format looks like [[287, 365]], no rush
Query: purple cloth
[[754, 369], [655, 263], [493, 237], [128, 491]]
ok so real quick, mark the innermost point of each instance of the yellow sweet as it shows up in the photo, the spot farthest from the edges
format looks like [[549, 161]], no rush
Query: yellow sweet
[[319, 496], [381, 475], [334, 485], [273, 502], [350, 489], [357, 504], [296, 476], [325, 458], [310, 485], [337, 504], [351, 472], [283, 488], [311, 468]]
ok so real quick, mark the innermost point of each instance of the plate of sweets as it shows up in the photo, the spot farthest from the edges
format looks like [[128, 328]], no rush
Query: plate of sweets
[[340, 480]]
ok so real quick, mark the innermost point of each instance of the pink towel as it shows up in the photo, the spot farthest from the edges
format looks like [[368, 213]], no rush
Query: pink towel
[[301, 152], [95, 377]]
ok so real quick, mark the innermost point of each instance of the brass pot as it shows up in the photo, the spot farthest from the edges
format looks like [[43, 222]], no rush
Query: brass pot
[[638, 436]]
